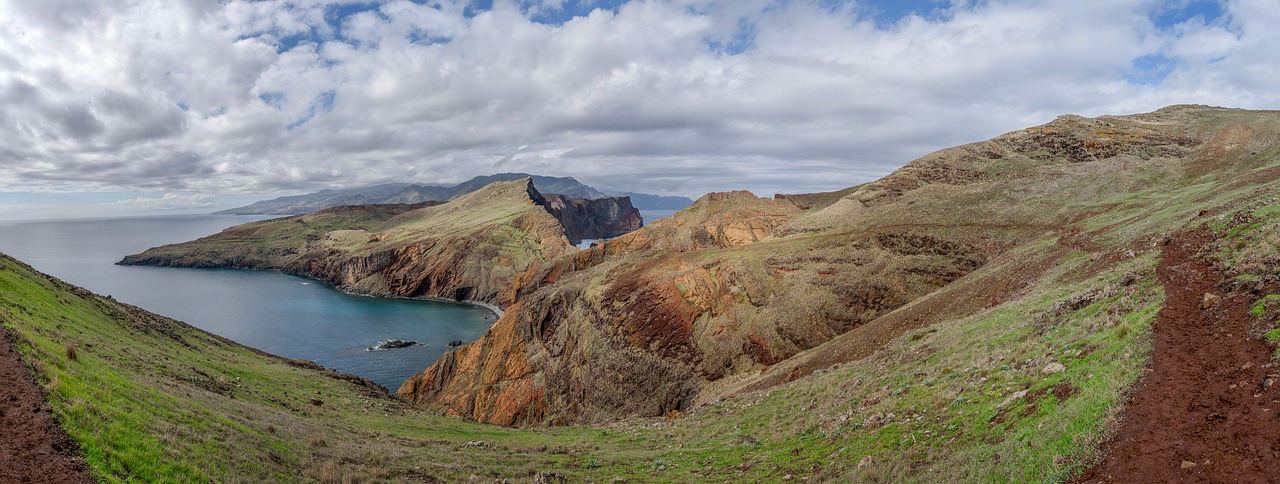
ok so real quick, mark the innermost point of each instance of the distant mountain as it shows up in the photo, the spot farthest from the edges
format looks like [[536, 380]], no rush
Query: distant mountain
[[409, 193], [322, 199], [566, 186]]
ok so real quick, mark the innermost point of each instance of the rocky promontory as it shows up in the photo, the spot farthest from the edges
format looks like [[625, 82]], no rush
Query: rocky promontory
[[594, 218], [469, 249]]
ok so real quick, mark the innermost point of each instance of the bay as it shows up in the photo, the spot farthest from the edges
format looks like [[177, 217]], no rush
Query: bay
[[272, 311]]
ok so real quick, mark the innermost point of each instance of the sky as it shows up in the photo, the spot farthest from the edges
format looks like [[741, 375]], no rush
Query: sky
[[117, 107]]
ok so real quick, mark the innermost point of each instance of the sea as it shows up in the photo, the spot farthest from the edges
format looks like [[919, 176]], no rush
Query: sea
[[275, 312]]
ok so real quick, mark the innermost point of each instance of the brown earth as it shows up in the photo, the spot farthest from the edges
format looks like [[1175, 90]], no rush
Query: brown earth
[[33, 448], [1207, 408]]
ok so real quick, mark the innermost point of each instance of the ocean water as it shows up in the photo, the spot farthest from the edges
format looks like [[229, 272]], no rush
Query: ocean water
[[651, 215], [275, 312]]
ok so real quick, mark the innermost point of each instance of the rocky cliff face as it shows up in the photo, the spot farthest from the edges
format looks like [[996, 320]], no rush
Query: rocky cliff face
[[737, 292], [469, 249], [727, 294], [593, 218], [645, 323]]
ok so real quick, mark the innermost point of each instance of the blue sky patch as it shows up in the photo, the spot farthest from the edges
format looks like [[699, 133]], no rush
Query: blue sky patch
[[575, 8], [322, 103], [274, 99], [741, 40], [1174, 13], [891, 12], [1150, 70], [288, 43]]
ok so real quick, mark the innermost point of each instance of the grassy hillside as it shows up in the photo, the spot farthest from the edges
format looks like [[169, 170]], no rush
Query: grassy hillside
[[152, 399], [738, 293], [1025, 276], [469, 249]]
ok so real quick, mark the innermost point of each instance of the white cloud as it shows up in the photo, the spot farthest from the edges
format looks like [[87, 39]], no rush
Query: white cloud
[[682, 96], [168, 201]]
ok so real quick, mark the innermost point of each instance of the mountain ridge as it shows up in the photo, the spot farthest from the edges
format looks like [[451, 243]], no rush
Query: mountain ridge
[[679, 316], [980, 315], [417, 193]]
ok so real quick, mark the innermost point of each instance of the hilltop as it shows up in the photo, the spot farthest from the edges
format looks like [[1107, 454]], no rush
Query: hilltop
[[400, 193], [983, 313], [738, 292], [469, 249]]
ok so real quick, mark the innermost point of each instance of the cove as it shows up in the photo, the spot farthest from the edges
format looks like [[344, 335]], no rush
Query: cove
[[279, 313]]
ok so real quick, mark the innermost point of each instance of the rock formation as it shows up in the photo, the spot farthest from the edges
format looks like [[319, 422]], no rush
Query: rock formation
[[641, 324], [469, 249], [737, 293], [593, 218], [710, 300]]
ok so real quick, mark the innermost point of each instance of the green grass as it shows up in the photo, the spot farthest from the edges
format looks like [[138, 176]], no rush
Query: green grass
[[1260, 306], [477, 244], [149, 399], [965, 400], [153, 400], [931, 407]]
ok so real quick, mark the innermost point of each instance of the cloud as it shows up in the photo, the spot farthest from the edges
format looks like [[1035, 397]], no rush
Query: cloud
[[664, 96], [169, 201]]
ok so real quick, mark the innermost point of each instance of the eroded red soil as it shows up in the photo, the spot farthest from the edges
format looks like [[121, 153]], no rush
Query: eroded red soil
[[33, 449], [1207, 409]]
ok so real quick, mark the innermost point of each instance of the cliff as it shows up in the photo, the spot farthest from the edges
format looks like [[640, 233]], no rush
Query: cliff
[[593, 218], [649, 321], [471, 248], [740, 293], [1069, 248]]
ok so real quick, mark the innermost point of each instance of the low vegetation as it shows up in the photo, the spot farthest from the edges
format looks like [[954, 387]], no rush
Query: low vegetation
[[152, 399], [989, 335]]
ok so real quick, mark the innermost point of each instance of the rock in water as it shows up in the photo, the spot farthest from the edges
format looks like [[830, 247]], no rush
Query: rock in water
[[392, 344]]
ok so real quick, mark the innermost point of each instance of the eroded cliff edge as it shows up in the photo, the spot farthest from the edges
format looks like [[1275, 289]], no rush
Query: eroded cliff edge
[[468, 249], [738, 293], [593, 218], [646, 322]]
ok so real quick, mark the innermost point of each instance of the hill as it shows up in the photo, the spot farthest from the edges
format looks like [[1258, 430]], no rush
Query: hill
[[981, 314], [469, 249], [737, 293], [412, 193]]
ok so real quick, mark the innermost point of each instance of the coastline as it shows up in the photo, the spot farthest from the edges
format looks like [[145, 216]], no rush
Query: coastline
[[494, 309], [497, 312]]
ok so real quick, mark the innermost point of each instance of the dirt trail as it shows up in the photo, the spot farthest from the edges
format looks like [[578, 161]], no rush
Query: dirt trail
[[1207, 408], [33, 449]]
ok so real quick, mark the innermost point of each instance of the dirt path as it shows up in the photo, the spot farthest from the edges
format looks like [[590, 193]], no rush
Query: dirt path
[[1207, 408], [32, 446]]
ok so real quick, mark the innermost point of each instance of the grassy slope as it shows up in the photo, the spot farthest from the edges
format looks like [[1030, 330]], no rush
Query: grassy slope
[[941, 403], [1103, 187], [146, 406], [274, 242], [469, 248], [151, 399], [1077, 224]]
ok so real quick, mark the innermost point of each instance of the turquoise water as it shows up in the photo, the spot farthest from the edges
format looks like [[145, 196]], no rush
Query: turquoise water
[[275, 312]]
